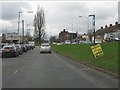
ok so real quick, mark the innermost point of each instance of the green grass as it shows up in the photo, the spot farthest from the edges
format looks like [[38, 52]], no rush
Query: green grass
[[83, 53]]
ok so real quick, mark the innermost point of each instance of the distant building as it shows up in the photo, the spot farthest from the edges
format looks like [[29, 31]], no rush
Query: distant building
[[111, 28], [65, 35], [72, 36], [3, 38], [12, 37], [102, 32]]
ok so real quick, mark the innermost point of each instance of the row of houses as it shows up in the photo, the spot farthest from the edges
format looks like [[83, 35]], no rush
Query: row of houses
[[101, 34], [108, 32]]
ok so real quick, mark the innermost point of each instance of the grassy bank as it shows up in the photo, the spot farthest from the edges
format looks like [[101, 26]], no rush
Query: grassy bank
[[83, 53]]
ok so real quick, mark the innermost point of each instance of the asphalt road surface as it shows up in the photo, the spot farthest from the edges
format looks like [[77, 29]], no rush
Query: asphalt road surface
[[35, 70]]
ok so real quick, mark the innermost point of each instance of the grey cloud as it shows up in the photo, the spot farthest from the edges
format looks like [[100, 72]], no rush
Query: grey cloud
[[66, 13], [60, 15], [10, 9], [104, 10]]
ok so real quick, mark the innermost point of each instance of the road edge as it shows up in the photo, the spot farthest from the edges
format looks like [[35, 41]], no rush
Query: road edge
[[116, 76]]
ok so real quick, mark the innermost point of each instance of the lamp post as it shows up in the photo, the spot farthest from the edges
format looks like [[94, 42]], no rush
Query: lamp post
[[22, 30], [19, 19], [93, 26], [22, 23]]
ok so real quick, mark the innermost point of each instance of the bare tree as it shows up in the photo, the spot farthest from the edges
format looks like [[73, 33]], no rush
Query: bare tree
[[39, 24]]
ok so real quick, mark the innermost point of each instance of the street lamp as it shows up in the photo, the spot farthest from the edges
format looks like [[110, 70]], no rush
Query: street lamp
[[93, 26], [22, 23], [19, 21], [19, 18]]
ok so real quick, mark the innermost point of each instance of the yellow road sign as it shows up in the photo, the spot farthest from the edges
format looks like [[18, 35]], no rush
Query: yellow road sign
[[97, 50]]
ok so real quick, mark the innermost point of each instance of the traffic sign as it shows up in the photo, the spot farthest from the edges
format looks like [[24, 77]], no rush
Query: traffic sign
[[97, 50]]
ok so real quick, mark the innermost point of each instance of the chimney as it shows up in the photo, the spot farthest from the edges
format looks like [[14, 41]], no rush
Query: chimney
[[101, 27], [105, 26], [110, 25], [116, 23], [63, 30]]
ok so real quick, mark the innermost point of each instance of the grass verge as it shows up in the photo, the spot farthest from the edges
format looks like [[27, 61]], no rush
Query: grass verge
[[83, 53]]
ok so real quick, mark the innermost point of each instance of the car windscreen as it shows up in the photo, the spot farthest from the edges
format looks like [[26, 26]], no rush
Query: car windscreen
[[8, 47]]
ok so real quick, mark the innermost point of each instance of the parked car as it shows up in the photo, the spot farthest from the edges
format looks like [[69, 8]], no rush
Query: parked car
[[67, 42], [45, 47], [85, 42], [98, 41], [19, 48], [59, 43], [9, 51], [24, 47], [28, 46], [74, 43], [32, 44]]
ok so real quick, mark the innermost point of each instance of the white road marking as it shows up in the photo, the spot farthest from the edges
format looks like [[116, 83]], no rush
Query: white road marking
[[15, 71]]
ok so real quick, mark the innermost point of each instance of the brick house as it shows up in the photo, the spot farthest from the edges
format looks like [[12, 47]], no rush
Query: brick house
[[65, 35]]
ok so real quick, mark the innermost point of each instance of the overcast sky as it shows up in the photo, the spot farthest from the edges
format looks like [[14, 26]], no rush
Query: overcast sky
[[59, 15]]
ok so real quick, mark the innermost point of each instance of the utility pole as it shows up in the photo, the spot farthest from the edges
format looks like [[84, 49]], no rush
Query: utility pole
[[72, 33], [93, 27], [19, 22], [22, 30]]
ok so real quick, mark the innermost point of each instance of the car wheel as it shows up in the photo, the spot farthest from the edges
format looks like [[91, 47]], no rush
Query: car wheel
[[3, 56], [41, 52], [15, 55]]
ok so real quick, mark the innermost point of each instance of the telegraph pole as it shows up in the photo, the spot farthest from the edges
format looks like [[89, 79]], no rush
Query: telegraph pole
[[19, 22], [93, 26], [22, 30], [72, 33]]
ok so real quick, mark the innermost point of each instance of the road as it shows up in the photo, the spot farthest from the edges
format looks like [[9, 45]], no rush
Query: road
[[35, 70]]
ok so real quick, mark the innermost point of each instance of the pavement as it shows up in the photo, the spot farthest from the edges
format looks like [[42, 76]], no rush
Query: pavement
[[35, 70]]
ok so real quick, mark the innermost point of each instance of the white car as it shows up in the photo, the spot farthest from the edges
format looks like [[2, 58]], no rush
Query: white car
[[45, 47], [9, 51], [59, 43], [98, 41]]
